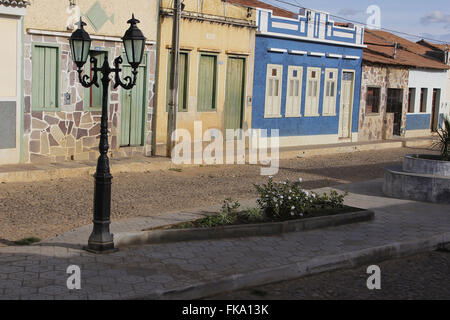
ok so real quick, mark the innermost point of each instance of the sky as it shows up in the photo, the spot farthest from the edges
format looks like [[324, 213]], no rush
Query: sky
[[424, 19]]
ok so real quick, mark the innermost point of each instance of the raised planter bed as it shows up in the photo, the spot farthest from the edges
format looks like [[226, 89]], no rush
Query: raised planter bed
[[237, 231]]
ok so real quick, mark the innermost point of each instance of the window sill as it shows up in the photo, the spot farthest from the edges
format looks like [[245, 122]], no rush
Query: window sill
[[273, 116], [329, 115], [293, 116], [312, 115], [373, 114], [46, 109]]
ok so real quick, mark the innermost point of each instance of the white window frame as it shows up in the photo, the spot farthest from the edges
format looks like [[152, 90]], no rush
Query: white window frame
[[328, 100], [312, 110], [269, 111], [293, 103]]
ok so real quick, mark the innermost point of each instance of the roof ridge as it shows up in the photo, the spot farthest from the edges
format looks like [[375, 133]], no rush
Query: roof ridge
[[402, 47]]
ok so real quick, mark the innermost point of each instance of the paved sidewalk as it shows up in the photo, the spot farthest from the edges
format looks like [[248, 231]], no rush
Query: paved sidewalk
[[190, 269]]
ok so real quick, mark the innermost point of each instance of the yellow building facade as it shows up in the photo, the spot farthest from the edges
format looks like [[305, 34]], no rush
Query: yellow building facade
[[216, 67]]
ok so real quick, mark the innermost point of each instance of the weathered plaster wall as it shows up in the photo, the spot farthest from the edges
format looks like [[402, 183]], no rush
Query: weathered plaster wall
[[378, 126], [211, 7], [111, 15], [430, 79]]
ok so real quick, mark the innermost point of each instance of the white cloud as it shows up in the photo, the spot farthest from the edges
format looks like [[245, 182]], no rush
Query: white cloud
[[436, 17]]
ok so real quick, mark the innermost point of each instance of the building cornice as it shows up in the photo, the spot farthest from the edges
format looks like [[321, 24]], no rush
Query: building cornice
[[189, 15]]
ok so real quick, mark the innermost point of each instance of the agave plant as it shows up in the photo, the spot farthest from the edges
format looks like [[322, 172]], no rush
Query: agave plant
[[443, 143]]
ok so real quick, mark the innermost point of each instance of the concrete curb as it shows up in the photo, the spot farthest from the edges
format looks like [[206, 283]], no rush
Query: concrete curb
[[248, 230], [297, 270]]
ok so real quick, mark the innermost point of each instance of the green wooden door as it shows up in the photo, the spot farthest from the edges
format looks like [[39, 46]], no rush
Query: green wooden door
[[133, 107], [206, 98], [234, 94]]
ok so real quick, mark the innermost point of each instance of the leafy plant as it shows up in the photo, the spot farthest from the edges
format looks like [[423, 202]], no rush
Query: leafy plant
[[443, 144], [252, 215], [288, 200], [230, 206], [27, 241]]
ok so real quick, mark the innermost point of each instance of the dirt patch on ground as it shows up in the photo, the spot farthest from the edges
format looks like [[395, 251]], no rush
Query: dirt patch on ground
[[46, 209]]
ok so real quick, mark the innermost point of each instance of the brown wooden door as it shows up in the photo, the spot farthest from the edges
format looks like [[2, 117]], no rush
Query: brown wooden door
[[395, 106], [435, 110]]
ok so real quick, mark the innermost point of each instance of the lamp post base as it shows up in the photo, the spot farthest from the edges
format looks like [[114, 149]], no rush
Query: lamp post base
[[100, 247], [101, 240], [101, 251]]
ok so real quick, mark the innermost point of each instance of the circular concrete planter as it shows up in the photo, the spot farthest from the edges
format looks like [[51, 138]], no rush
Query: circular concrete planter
[[421, 178], [426, 164]]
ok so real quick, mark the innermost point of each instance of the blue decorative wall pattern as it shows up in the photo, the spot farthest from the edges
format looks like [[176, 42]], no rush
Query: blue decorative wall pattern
[[313, 32]]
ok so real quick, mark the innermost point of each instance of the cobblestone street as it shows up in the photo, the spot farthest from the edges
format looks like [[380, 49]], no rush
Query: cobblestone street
[[48, 208], [425, 276]]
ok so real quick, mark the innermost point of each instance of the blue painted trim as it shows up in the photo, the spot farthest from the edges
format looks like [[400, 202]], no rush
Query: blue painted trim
[[418, 121]]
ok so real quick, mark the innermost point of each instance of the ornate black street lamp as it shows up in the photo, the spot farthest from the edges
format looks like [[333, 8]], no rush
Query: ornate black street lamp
[[101, 239]]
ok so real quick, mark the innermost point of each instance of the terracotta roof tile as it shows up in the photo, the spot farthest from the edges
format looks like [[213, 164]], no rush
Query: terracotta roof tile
[[380, 49], [435, 46]]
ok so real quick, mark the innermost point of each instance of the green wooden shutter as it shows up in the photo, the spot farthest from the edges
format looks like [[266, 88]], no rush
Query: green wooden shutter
[[38, 77], [207, 83], [137, 109], [182, 82], [125, 113], [133, 106], [182, 89], [234, 93], [94, 94], [45, 77]]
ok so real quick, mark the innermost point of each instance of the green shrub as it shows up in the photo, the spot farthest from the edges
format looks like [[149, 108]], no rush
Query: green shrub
[[288, 200], [443, 144], [230, 206], [252, 215]]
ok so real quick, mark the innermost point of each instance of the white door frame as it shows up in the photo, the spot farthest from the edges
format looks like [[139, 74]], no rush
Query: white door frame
[[341, 104], [13, 155]]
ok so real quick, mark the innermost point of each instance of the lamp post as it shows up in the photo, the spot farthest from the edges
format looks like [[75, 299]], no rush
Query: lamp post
[[101, 239]]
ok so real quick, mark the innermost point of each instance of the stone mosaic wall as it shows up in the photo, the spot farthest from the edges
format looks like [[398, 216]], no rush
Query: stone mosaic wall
[[378, 126], [72, 131]]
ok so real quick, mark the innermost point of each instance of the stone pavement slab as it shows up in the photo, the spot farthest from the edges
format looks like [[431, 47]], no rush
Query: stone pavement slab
[[193, 269]]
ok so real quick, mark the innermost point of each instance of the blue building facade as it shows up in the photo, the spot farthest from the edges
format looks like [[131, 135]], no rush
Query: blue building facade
[[307, 78]]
